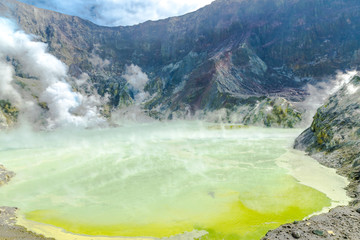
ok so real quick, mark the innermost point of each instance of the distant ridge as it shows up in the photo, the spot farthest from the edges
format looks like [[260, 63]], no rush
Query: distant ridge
[[216, 57]]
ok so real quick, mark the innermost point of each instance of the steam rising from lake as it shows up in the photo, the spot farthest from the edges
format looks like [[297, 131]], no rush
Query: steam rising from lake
[[157, 180]]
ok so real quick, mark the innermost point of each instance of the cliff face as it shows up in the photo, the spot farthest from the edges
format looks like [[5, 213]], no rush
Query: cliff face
[[220, 55], [335, 131], [269, 112], [334, 136]]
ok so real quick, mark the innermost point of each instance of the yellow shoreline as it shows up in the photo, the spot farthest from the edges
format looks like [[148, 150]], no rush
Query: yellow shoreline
[[60, 234], [310, 172]]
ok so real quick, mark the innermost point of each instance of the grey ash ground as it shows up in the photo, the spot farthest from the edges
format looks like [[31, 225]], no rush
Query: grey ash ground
[[339, 223]]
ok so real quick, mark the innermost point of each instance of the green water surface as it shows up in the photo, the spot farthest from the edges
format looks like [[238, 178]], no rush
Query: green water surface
[[156, 180]]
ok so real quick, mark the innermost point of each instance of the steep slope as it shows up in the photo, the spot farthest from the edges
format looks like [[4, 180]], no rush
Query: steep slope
[[215, 57], [334, 136]]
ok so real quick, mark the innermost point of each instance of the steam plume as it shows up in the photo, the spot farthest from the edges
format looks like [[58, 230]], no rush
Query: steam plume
[[318, 93], [137, 79], [66, 108]]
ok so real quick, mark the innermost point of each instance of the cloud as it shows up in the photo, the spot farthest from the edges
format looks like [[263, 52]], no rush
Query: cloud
[[120, 12], [66, 107]]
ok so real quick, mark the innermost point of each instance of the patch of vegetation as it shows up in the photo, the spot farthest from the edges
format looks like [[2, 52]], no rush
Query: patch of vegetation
[[11, 113]]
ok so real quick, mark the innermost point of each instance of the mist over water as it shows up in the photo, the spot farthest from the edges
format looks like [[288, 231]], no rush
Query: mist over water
[[156, 180]]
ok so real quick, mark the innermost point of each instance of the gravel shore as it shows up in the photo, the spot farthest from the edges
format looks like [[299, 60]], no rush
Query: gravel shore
[[9, 230], [338, 223]]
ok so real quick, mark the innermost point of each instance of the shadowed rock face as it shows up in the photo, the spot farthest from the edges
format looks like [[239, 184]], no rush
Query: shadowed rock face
[[231, 49]]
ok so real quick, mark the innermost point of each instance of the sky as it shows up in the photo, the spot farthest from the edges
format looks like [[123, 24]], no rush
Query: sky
[[120, 12]]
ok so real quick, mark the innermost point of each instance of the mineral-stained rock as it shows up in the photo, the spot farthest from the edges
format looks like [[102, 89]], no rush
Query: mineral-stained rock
[[318, 232], [5, 175], [296, 234]]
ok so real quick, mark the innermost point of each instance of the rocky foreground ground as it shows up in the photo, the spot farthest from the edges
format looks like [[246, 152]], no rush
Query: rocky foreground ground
[[10, 231], [339, 223]]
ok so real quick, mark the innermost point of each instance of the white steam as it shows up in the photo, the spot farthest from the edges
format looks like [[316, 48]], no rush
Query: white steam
[[319, 92], [98, 62], [66, 107], [7, 91], [82, 80], [351, 89], [137, 80]]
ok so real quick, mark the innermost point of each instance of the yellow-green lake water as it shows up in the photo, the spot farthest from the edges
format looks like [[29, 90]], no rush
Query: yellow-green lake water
[[157, 180]]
